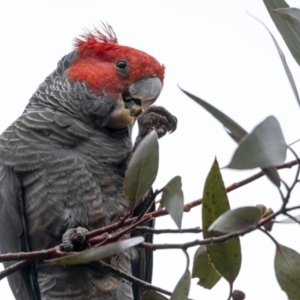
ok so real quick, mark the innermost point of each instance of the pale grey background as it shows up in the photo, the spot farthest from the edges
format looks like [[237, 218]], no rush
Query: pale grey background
[[212, 49]]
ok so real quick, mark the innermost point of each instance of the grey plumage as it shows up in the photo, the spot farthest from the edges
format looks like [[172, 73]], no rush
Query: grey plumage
[[62, 173], [61, 168]]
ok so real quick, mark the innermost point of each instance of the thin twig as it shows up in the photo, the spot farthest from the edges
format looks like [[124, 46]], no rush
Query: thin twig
[[114, 237], [14, 268], [285, 184], [292, 208], [146, 229], [133, 279], [287, 197], [34, 255], [269, 235], [121, 222], [243, 182], [213, 240], [292, 218]]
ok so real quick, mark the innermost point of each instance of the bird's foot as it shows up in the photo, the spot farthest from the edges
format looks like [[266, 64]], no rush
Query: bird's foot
[[156, 118], [73, 237]]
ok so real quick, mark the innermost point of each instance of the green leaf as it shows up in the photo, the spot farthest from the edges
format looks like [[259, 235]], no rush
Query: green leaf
[[292, 42], [283, 60], [87, 256], [226, 258], [235, 130], [287, 270], [263, 147], [152, 295], [273, 175], [182, 288], [142, 168], [204, 270], [172, 199], [236, 220], [292, 17]]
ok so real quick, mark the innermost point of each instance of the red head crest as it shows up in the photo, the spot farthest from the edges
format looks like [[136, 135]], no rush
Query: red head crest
[[90, 39], [98, 56]]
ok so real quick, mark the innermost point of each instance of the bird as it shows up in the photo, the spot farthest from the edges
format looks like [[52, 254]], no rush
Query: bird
[[63, 162]]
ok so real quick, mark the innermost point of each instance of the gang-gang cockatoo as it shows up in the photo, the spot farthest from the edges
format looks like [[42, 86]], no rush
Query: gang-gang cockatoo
[[62, 165]]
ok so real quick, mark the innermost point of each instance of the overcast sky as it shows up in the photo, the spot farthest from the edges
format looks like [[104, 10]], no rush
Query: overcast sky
[[210, 48]]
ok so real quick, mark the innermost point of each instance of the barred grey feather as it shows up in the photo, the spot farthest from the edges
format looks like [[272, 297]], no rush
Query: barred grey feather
[[60, 169]]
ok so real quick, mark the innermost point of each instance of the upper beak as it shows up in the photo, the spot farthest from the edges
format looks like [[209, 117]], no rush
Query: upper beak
[[146, 90]]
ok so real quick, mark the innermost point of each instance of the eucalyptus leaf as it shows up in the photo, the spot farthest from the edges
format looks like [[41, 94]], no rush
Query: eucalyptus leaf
[[287, 270], [236, 220], [292, 16], [93, 254], [181, 291], [234, 129], [172, 199], [283, 60], [226, 258], [287, 33], [263, 147], [204, 270], [142, 168], [273, 175]]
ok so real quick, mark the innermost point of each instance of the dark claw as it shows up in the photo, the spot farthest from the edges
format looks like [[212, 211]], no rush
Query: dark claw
[[67, 239], [174, 124]]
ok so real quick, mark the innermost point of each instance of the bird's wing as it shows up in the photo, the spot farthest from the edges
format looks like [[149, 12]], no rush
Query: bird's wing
[[13, 234], [142, 266], [24, 147]]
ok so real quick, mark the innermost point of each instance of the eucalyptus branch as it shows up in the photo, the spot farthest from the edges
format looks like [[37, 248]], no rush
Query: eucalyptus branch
[[14, 268], [292, 208], [162, 212], [290, 189], [56, 252], [241, 183], [115, 226], [292, 218], [116, 236], [285, 184], [145, 229], [28, 257], [213, 240], [34, 255], [245, 181], [122, 223], [112, 232]]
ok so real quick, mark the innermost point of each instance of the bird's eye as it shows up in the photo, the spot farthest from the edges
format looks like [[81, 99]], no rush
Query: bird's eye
[[121, 64]]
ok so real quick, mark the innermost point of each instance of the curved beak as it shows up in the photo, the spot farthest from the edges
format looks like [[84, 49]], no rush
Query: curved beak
[[146, 90], [137, 97]]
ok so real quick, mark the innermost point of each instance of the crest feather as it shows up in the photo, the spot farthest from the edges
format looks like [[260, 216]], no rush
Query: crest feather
[[104, 35]]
